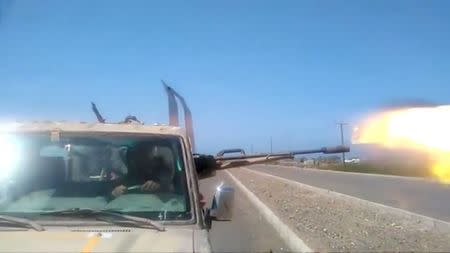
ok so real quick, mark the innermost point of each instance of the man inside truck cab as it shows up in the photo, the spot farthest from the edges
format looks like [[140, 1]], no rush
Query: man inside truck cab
[[148, 171]]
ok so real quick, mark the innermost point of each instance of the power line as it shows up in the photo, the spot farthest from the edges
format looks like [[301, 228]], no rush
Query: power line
[[271, 144], [341, 124]]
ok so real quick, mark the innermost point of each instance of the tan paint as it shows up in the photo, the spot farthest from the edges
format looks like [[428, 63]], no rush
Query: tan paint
[[138, 240], [91, 128], [63, 240]]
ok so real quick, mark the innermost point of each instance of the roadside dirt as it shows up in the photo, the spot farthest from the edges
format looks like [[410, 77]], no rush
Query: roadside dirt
[[326, 223]]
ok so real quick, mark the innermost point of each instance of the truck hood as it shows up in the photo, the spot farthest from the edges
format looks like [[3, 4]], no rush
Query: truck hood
[[98, 240]]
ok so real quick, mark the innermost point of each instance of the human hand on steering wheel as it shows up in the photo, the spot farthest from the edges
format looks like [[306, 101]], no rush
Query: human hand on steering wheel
[[150, 186], [122, 189], [119, 190]]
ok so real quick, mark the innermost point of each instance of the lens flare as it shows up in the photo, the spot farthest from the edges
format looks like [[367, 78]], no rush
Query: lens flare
[[423, 128], [9, 155]]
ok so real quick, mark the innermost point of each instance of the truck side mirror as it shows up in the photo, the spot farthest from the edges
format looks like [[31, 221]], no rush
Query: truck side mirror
[[222, 205]]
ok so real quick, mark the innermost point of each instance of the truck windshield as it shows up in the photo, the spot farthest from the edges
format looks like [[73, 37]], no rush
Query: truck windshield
[[137, 175]]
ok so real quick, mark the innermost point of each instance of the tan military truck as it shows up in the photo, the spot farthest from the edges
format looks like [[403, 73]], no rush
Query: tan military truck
[[110, 187], [57, 184]]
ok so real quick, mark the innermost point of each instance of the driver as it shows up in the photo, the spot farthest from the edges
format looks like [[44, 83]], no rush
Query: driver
[[151, 174]]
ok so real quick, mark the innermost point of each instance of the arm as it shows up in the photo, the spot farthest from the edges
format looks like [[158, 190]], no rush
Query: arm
[[116, 188], [162, 180]]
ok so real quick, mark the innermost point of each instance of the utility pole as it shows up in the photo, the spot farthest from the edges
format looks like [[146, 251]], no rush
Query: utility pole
[[251, 149], [341, 124], [271, 144]]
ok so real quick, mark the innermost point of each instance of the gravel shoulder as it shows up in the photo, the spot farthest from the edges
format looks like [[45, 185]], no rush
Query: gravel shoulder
[[248, 231], [327, 223]]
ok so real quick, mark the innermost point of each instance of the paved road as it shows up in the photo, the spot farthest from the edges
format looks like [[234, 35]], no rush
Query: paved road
[[248, 231], [413, 194]]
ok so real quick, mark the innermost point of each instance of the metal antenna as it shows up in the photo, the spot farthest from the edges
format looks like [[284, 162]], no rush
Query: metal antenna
[[97, 113]]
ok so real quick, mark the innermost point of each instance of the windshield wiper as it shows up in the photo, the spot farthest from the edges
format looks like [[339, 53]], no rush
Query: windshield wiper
[[22, 222], [137, 221]]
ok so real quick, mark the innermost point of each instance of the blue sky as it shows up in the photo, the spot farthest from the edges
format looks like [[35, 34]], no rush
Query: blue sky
[[248, 69]]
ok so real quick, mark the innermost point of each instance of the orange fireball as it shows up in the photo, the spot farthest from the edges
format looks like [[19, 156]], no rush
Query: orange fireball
[[423, 128]]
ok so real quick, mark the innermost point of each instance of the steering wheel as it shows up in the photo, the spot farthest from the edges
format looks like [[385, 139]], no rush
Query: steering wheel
[[134, 188]]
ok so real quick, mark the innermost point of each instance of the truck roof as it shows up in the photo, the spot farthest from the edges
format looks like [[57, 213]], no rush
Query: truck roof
[[62, 126]]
